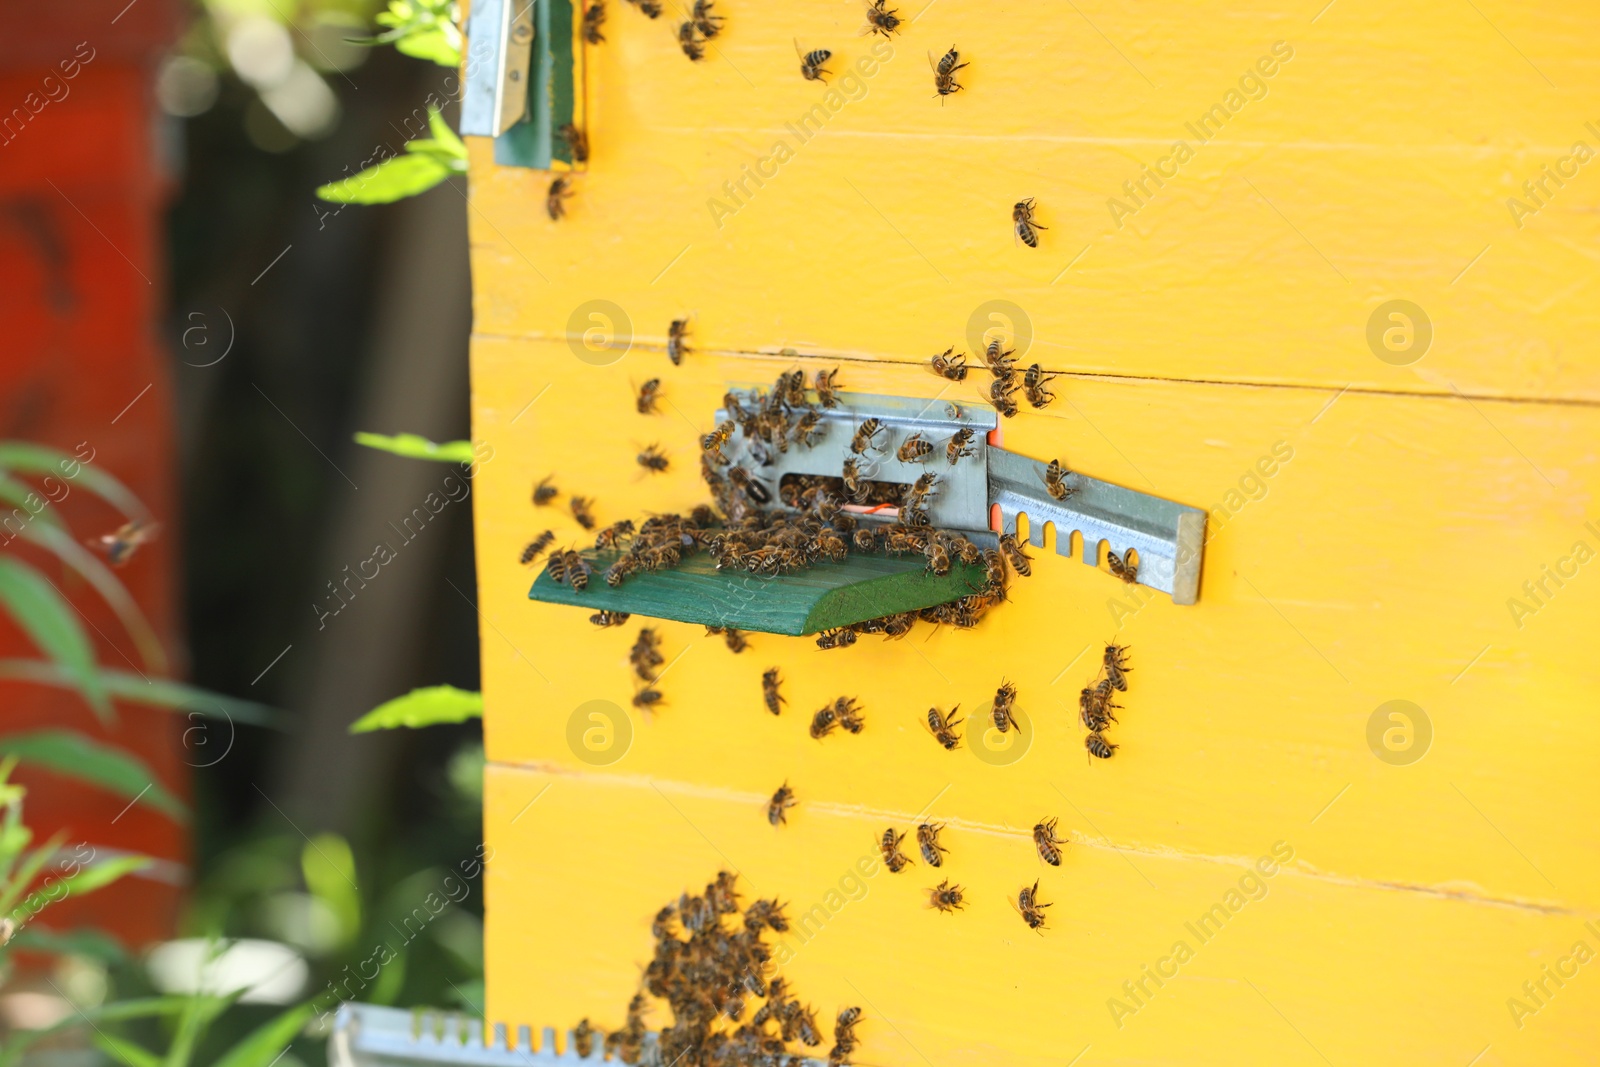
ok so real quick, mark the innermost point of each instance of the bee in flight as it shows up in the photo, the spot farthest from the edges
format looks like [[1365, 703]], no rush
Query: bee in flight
[[555, 200]]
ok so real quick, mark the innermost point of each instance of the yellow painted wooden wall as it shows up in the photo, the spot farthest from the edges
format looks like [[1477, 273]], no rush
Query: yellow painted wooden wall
[[1420, 499]]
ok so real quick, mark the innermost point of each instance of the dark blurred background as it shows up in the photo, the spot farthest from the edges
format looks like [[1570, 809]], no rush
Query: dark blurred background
[[160, 228]]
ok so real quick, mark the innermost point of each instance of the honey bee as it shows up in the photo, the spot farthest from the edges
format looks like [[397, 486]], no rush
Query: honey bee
[[893, 858], [1033, 383], [823, 722], [583, 1039], [593, 17], [943, 728], [555, 200], [577, 143], [735, 640], [717, 437], [767, 913], [581, 510], [1128, 572], [1046, 841], [646, 698], [779, 805], [620, 571], [1029, 908], [1023, 221], [937, 556], [1098, 746], [577, 570], [865, 434], [676, 346], [651, 8], [811, 63], [1115, 661], [708, 24], [944, 73], [1001, 392], [999, 361], [806, 1027], [120, 545], [928, 842], [1015, 555], [752, 488], [555, 565], [828, 387], [645, 654], [769, 691], [946, 897], [914, 449], [882, 19], [952, 367], [994, 571], [853, 483], [1005, 698], [653, 459], [836, 639], [916, 495], [791, 386], [649, 394], [603, 619], [532, 549], [900, 540], [1055, 481], [848, 714], [544, 492], [690, 42], [1095, 707], [958, 446]]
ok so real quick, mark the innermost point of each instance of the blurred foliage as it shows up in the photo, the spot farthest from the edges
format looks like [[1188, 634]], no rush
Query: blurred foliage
[[428, 706], [411, 446]]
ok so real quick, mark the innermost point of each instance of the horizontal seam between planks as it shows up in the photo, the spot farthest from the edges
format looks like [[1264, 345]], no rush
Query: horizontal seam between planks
[[1077, 838], [1365, 390]]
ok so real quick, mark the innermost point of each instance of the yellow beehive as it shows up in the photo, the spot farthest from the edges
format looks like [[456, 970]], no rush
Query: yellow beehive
[[1278, 866]]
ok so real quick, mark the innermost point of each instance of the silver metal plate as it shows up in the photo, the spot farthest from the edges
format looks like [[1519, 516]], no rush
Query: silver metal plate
[[499, 56], [1169, 537]]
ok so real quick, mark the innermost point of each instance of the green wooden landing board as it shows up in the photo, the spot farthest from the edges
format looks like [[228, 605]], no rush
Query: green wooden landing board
[[822, 597]]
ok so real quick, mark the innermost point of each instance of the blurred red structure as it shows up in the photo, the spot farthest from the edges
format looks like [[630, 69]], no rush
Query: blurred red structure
[[82, 192]]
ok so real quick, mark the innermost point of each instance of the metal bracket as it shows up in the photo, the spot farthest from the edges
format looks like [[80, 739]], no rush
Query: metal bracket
[[1169, 537], [367, 1035], [499, 55], [524, 79]]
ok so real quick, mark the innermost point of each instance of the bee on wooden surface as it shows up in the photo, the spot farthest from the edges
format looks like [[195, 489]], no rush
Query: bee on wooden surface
[[848, 714], [651, 8], [735, 640], [836, 639], [994, 571], [914, 449], [901, 540], [1005, 699], [653, 459], [571, 569], [829, 545], [1095, 708], [577, 143], [938, 557], [769, 691], [865, 434], [1026, 226], [882, 19], [582, 511], [999, 360], [848, 1017], [583, 1039], [808, 431], [1002, 395], [893, 858], [555, 201], [865, 539], [828, 388], [1034, 382], [791, 386], [1098, 746], [1127, 571], [646, 698], [1115, 660], [943, 728], [959, 446], [544, 492], [594, 16], [676, 345], [1046, 841], [620, 571], [708, 24], [555, 565], [779, 805], [806, 1027], [604, 619], [690, 42], [898, 625], [944, 73], [1029, 908], [723, 895], [768, 913], [531, 550], [811, 63], [613, 535], [823, 722], [649, 395], [963, 549], [1055, 481], [751, 487], [946, 897], [717, 437], [928, 842], [1015, 555], [951, 365]]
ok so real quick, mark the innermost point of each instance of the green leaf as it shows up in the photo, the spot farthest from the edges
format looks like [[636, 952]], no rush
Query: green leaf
[[18, 881], [75, 755], [330, 872], [108, 585], [117, 1011], [414, 447], [18, 494], [198, 1015], [394, 179], [154, 692], [266, 1043], [44, 613], [87, 880], [422, 707], [436, 45], [444, 134], [124, 1052], [30, 458], [85, 941]]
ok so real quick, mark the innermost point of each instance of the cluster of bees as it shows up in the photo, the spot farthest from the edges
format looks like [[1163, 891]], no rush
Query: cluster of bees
[[1097, 706], [948, 897], [702, 25], [709, 976], [1033, 383]]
